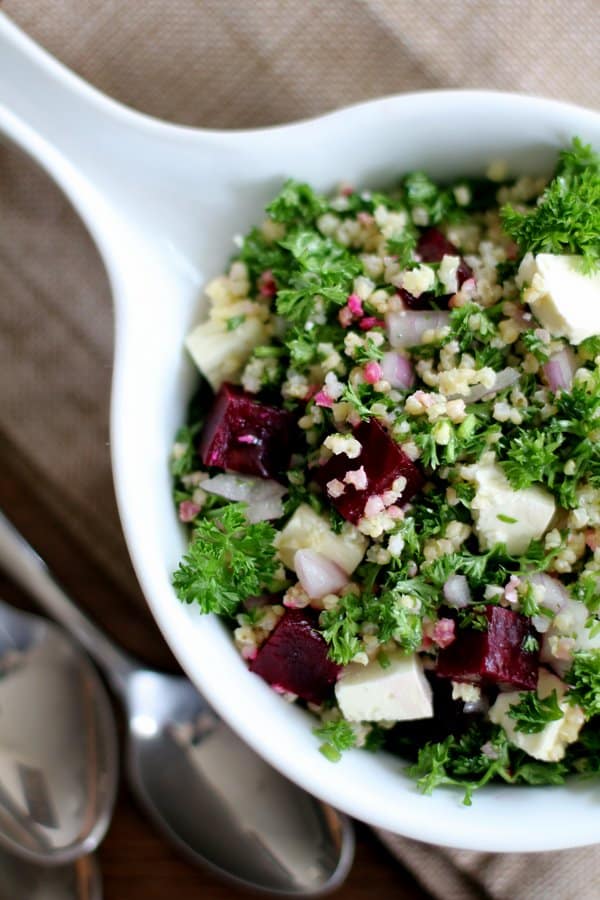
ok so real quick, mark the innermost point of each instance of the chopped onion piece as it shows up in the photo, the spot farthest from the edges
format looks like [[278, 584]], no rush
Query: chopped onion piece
[[560, 369], [397, 369], [406, 328], [556, 596], [505, 378], [262, 495], [457, 592], [318, 574]]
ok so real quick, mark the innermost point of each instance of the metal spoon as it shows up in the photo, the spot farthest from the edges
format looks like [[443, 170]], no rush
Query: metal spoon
[[219, 802], [58, 745], [21, 880]]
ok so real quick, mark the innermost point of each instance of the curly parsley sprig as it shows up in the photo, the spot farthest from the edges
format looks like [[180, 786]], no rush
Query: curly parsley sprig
[[227, 561], [567, 217]]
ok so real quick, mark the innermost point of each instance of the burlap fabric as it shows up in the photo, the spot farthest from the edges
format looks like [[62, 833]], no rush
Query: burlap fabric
[[234, 64]]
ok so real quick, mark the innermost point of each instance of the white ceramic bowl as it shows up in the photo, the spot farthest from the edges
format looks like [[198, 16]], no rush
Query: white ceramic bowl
[[163, 204], [445, 134]]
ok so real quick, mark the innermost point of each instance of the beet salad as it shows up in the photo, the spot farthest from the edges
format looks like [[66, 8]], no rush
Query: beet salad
[[391, 468]]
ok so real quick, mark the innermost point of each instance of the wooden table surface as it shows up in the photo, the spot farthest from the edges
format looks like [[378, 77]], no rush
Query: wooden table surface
[[136, 863]]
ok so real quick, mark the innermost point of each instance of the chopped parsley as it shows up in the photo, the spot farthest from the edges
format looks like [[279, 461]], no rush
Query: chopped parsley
[[184, 459], [337, 736], [473, 759], [584, 680], [297, 203], [533, 713], [227, 561], [421, 193], [317, 266], [567, 217]]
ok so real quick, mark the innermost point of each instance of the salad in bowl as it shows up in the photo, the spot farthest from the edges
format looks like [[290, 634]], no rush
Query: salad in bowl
[[391, 468]]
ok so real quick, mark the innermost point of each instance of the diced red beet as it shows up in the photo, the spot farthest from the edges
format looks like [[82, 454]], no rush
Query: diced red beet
[[294, 657], [243, 435], [431, 247], [495, 655], [383, 461]]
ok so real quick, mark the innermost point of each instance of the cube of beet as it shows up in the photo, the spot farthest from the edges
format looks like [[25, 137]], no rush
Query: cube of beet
[[431, 247], [495, 655], [382, 460], [294, 658], [243, 435]]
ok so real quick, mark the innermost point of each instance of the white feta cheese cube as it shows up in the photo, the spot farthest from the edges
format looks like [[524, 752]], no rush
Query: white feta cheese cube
[[551, 742], [220, 354], [505, 516], [564, 299], [307, 530], [396, 693]]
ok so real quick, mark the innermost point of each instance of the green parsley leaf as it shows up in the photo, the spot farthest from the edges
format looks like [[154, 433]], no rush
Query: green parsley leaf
[[533, 713], [567, 217], [535, 345], [531, 456], [296, 203], [471, 322], [462, 761], [317, 266], [184, 458], [261, 255], [420, 191], [337, 737], [394, 620], [589, 348], [584, 680], [473, 617], [234, 322], [530, 644], [340, 628], [227, 561], [402, 245]]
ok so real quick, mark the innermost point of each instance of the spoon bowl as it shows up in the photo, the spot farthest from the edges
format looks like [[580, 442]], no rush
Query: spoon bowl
[[210, 794], [58, 744], [163, 203], [248, 822]]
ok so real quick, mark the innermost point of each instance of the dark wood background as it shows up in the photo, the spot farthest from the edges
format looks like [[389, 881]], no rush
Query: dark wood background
[[136, 863]]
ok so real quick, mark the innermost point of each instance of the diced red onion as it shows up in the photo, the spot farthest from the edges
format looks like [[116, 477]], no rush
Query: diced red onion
[[560, 369], [262, 495], [318, 574], [407, 327], [457, 592], [556, 596], [398, 370], [505, 378], [555, 599]]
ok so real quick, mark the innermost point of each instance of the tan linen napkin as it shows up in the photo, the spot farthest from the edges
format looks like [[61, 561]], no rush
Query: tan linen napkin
[[237, 63]]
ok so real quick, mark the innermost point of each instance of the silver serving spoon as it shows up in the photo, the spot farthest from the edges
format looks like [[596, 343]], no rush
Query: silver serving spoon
[[58, 745], [20, 880], [219, 802]]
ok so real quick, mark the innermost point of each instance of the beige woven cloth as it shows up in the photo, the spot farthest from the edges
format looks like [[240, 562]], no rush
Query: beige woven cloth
[[225, 64]]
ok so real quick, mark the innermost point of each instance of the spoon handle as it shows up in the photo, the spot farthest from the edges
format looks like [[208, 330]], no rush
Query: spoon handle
[[22, 563]]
